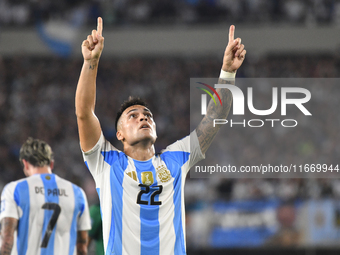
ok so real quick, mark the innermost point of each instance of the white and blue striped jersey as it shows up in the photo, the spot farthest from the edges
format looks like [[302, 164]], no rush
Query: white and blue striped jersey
[[50, 211], [142, 202]]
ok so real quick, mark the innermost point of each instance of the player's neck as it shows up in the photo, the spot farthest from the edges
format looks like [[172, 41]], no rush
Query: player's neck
[[42, 170], [140, 152]]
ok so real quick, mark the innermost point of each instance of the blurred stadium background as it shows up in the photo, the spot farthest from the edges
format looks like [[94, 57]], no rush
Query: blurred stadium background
[[152, 49]]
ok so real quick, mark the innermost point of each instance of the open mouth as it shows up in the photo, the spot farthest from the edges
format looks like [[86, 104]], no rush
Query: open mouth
[[145, 126]]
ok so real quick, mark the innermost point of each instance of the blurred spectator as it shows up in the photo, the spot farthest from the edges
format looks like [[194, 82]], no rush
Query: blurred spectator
[[287, 235], [131, 12]]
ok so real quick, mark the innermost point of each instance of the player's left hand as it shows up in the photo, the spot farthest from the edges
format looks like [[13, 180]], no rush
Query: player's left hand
[[234, 53]]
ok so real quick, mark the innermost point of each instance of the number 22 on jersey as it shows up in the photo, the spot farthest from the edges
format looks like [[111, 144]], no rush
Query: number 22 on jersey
[[145, 189]]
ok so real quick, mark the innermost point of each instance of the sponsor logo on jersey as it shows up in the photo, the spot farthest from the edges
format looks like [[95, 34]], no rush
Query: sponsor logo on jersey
[[133, 175]]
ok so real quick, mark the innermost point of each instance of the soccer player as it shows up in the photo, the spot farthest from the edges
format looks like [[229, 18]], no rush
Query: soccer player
[[141, 193], [43, 213]]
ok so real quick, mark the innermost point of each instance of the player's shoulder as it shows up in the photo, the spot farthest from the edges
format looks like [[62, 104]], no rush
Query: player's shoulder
[[10, 187], [78, 192], [179, 145], [102, 145], [13, 184], [62, 180]]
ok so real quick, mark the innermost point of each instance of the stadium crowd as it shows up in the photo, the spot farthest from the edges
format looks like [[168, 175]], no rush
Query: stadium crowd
[[131, 12], [37, 99]]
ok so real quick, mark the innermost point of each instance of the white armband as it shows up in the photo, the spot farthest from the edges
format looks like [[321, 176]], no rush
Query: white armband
[[227, 75]]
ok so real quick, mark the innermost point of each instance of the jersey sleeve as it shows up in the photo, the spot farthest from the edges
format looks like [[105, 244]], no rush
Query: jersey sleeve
[[84, 221], [94, 159], [9, 207], [190, 146]]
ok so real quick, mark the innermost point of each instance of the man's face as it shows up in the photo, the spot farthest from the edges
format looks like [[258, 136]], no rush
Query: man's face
[[136, 125]]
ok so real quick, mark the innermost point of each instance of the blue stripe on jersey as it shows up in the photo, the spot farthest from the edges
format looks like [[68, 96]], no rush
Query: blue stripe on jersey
[[51, 196], [179, 243], [119, 162], [181, 158], [79, 207], [22, 198], [149, 231]]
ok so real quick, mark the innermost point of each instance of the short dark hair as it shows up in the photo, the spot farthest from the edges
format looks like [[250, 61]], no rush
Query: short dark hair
[[36, 152], [126, 104]]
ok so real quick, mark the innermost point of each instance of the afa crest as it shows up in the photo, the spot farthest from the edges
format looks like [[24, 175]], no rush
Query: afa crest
[[163, 173]]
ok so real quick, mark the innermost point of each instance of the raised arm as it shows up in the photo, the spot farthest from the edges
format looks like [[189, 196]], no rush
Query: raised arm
[[8, 226], [233, 58], [88, 124]]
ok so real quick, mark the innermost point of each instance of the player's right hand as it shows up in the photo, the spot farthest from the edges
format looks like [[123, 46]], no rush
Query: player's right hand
[[92, 47]]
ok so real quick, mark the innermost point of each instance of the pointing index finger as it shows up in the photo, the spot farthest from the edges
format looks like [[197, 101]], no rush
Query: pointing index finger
[[100, 26], [231, 33]]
